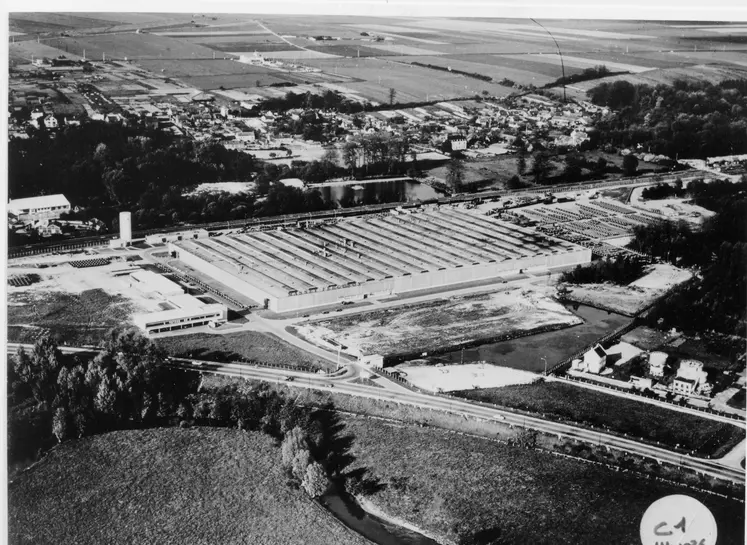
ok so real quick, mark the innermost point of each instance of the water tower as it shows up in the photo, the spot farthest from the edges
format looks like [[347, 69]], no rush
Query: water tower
[[125, 228]]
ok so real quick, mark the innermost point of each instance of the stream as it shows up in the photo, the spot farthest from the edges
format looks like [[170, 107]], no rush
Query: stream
[[370, 526]]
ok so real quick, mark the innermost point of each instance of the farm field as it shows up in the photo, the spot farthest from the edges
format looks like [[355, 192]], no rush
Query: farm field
[[568, 402], [133, 46], [169, 486], [204, 67], [464, 488], [439, 324]]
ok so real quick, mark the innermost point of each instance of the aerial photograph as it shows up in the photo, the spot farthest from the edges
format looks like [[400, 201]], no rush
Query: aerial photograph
[[330, 278]]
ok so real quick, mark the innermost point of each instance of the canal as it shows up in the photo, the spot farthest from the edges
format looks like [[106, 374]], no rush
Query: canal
[[373, 192]]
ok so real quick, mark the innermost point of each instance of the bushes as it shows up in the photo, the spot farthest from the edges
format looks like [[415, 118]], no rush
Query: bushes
[[620, 270]]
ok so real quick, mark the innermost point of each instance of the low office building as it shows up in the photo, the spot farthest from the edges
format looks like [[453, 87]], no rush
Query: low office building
[[187, 312], [184, 311]]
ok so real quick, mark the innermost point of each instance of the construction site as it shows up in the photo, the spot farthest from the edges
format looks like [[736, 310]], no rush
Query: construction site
[[348, 260]]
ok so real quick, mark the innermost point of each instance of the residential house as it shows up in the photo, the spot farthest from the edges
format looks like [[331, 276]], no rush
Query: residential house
[[595, 359]]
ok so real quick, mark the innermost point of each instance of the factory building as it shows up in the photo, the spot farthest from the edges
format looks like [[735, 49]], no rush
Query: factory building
[[353, 259], [37, 208]]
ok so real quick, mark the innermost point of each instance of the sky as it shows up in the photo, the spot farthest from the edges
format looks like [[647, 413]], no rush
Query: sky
[[719, 10]]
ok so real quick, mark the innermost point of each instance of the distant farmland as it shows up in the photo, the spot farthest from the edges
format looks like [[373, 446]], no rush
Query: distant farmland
[[133, 46]]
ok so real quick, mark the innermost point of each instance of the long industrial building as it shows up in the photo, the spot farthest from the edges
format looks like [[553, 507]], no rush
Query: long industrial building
[[353, 259]]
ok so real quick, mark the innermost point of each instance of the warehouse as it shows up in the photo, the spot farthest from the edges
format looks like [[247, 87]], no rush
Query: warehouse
[[353, 259]]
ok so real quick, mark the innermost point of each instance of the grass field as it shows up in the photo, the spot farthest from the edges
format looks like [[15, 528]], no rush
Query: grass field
[[572, 403], [79, 319], [166, 486], [462, 487], [202, 67], [247, 345]]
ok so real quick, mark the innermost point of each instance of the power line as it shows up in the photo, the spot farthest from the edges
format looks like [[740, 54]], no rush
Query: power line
[[562, 66]]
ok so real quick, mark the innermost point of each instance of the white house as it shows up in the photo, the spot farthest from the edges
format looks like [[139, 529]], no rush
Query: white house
[[458, 142], [595, 359], [691, 378], [51, 122]]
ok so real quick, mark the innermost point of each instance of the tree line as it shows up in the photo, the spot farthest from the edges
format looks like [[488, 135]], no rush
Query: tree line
[[685, 119], [714, 301], [55, 398], [621, 270]]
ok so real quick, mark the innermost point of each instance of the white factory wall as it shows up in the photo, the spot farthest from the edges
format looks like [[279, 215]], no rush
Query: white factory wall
[[399, 284]]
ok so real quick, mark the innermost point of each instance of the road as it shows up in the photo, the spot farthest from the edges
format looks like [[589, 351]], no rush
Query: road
[[343, 383]]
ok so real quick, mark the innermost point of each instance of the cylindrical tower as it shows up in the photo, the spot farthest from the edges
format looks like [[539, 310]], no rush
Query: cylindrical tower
[[125, 227]]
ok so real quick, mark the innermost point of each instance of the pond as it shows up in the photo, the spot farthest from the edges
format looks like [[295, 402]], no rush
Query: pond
[[527, 352], [372, 192], [370, 526]]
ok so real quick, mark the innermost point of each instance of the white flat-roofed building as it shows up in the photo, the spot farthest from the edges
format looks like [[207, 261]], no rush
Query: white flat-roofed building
[[656, 362], [35, 208], [188, 312], [150, 282]]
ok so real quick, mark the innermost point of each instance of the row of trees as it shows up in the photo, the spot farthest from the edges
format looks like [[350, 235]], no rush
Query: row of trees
[[376, 153]]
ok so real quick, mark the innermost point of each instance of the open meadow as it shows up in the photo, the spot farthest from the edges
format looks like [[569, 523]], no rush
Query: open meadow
[[167, 486], [472, 490]]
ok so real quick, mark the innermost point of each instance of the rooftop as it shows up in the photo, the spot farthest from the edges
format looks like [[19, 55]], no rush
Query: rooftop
[[44, 201]]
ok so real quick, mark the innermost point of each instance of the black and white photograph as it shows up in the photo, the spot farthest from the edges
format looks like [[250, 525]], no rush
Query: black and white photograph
[[375, 273]]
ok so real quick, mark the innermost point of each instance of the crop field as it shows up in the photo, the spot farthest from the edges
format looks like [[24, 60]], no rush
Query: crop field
[[53, 22], [351, 50], [244, 46], [440, 324], [524, 66], [167, 486], [132, 46], [22, 52], [203, 67]]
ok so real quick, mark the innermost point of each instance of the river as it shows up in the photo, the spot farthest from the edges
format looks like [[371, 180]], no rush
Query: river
[[527, 352], [370, 526], [372, 192]]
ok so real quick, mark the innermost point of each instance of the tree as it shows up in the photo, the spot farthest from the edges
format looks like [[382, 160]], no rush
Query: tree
[[630, 164], [315, 482], [541, 167], [455, 173], [521, 162], [294, 442], [392, 95], [573, 168], [60, 424], [514, 182]]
